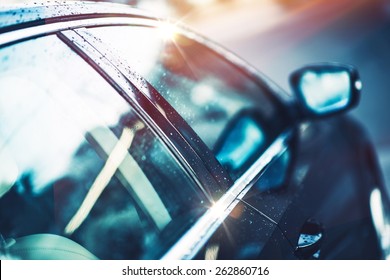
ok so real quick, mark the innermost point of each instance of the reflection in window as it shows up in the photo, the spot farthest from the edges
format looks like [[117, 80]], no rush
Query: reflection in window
[[204, 88], [76, 161], [241, 143]]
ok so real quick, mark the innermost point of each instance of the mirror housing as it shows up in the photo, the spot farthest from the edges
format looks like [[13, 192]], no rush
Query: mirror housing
[[325, 89]]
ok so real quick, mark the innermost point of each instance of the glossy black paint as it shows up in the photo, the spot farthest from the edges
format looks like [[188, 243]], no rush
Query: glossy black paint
[[329, 184]]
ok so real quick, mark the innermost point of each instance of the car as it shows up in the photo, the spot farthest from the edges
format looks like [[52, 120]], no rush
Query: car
[[125, 136]]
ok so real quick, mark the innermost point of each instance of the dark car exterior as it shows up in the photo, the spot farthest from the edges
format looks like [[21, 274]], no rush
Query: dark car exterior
[[126, 137]]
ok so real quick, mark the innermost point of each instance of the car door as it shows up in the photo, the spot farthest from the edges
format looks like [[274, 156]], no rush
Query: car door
[[263, 217], [325, 200], [211, 101], [333, 189], [212, 91]]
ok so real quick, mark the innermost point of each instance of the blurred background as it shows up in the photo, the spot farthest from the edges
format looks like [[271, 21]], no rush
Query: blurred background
[[278, 36]]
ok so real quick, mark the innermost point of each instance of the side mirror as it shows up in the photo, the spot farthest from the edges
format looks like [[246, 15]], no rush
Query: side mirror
[[325, 89]]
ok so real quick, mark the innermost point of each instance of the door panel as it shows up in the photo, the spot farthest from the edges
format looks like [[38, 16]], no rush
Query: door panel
[[326, 187], [246, 234]]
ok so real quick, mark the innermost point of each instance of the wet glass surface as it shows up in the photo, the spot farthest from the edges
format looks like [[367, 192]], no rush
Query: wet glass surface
[[76, 160], [201, 85]]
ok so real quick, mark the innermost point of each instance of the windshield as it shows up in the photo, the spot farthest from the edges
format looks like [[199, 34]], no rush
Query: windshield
[[76, 161]]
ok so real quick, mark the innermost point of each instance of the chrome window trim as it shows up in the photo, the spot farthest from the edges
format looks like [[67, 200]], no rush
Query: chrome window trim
[[40, 30], [189, 245], [60, 24], [193, 141], [14, 15], [135, 96]]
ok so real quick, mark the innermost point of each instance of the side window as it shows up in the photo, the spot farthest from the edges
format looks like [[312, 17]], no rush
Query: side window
[[241, 143], [207, 90], [78, 168]]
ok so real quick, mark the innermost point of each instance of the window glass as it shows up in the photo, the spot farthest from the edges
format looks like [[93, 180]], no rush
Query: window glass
[[78, 163], [241, 143], [202, 86]]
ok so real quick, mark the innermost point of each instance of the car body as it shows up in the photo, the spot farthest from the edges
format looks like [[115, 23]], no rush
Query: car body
[[124, 136]]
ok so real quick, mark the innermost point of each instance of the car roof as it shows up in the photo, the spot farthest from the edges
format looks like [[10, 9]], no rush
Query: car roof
[[14, 17]]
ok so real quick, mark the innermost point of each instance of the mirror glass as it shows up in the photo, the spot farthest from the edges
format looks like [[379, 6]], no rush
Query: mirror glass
[[325, 91]]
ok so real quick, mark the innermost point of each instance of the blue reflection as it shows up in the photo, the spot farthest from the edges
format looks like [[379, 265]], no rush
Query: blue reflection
[[325, 92], [244, 140]]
